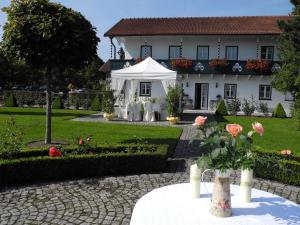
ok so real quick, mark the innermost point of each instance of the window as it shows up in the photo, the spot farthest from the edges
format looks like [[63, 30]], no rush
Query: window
[[174, 51], [145, 89], [267, 52], [230, 91], [265, 92], [146, 51], [232, 52], [202, 52], [289, 96]]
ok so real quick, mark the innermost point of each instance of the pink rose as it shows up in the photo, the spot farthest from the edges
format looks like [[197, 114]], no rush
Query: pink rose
[[234, 129], [286, 152], [258, 128], [199, 121], [80, 142]]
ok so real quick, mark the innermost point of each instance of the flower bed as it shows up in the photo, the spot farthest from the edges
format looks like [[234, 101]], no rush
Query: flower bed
[[275, 166], [36, 166]]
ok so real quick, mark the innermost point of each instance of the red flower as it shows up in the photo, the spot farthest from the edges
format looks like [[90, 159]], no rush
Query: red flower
[[88, 140], [80, 141], [54, 152]]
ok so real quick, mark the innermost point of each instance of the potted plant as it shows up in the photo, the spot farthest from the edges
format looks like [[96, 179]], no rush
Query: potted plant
[[173, 104], [220, 65], [260, 66], [108, 104]]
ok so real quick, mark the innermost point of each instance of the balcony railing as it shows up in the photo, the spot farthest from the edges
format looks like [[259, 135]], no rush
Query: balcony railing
[[202, 67]]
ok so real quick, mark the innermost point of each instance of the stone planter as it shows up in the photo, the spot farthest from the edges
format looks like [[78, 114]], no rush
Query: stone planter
[[246, 185], [109, 116], [221, 199], [173, 120]]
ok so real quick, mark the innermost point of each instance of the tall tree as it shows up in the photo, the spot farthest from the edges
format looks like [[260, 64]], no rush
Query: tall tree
[[49, 37], [288, 79]]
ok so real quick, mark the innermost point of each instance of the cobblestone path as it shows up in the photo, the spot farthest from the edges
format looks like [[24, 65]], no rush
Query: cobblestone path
[[107, 200]]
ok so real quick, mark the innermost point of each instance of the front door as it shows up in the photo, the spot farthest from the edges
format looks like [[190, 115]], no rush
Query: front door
[[201, 96]]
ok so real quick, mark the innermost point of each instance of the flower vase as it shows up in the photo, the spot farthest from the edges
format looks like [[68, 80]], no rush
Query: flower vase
[[246, 185], [221, 199]]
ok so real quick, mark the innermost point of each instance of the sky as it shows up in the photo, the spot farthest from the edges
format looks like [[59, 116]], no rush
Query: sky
[[103, 14]]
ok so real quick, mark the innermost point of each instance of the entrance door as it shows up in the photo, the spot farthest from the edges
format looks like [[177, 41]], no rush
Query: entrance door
[[201, 96]]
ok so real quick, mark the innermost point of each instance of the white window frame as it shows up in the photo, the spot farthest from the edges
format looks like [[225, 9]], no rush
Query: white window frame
[[232, 91], [203, 55], [145, 89], [263, 92], [174, 54], [267, 54], [229, 52]]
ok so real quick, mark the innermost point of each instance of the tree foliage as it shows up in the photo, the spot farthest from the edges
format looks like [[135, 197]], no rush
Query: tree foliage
[[288, 79]]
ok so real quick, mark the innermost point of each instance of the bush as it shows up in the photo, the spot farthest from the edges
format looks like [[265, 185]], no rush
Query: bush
[[279, 112], [287, 168], [132, 159], [96, 104], [11, 101], [234, 106], [11, 139], [248, 107], [221, 109], [173, 101], [296, 112], [108, 101], [57, 103], [263, 107], [28, 97]]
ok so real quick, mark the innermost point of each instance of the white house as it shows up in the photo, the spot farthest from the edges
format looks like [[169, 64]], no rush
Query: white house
[[202, 40]]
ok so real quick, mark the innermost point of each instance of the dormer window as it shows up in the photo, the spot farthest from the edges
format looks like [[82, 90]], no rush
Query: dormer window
[[174, 52], [146, 51]]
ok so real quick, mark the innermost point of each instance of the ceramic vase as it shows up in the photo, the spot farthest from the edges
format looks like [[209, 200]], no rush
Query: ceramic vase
[[246, 185], [221, 199]]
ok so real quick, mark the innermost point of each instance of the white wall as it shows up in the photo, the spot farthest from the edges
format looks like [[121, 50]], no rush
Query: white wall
[[160, 45], [246, 87]]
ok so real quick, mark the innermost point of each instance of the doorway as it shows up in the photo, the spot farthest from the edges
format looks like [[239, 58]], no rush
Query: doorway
[[201, 96]]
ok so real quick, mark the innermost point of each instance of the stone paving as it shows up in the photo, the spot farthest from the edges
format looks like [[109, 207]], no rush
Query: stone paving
[[108, 200]]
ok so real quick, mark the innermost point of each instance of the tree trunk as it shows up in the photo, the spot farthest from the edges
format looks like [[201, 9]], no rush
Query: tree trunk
[[48, 110]]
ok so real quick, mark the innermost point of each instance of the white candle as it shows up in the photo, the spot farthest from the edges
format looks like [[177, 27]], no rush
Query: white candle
[[195, 176], [246, 185]]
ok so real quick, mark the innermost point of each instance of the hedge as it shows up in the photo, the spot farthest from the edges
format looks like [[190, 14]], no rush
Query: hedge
[[43, 168], [285, 169]]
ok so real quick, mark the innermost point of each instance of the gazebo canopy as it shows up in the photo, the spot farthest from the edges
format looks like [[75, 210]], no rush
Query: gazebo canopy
[[148, 69]]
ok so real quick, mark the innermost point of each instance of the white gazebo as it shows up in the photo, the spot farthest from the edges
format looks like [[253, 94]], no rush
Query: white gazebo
[[126, 80]]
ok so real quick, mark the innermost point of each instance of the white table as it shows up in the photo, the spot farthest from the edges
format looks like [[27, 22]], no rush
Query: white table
[[172, 205]]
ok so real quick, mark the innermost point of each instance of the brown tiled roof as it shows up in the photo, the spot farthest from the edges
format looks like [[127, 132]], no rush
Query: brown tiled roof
[[245, 25]]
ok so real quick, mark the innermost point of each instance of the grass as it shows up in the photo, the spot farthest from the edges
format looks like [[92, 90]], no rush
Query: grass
[[32, 122], [279, 133]]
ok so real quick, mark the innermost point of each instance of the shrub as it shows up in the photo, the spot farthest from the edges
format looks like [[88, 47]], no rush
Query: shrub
[[96, 104], [10, 101], [221, 109], [279, 112], [57, 103], [173, 101], [108, 101], [296, 112], [287, 168], [11, 139], [263, 107], [234, 106], [115, 160], [248, 107]]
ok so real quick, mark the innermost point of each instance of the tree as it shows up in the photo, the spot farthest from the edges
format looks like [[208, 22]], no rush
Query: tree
[[288, 79], [49, 37]]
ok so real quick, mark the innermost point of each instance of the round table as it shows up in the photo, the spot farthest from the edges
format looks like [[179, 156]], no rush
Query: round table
[[173, 205]]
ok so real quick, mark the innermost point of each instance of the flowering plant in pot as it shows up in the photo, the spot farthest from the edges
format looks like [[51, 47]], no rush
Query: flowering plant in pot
[[181, 63], [219, 64], [258, 65]]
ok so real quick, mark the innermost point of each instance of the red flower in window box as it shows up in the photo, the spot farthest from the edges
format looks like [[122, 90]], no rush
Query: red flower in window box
[[181, 63], [258, 65], [218, 63]]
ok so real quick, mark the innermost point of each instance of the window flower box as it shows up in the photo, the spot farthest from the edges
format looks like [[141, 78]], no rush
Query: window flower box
[[261, 66], [181, 63], [220, 65]]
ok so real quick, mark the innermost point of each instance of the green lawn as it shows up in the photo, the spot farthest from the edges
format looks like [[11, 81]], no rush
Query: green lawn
[[279, 133], [33, 123]]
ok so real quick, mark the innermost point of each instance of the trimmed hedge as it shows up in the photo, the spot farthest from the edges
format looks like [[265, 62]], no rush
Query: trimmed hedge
[[10, 101], [58, 103], [285, 169], [128, 160], [221, 109]]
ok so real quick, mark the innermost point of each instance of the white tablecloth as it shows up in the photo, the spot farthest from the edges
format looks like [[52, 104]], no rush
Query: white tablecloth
[[172, 205]]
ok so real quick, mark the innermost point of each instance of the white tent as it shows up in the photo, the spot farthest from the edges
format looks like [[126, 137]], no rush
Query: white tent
[[148, 69]]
